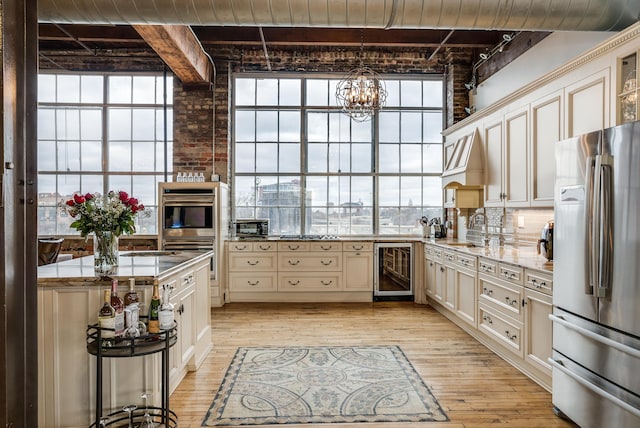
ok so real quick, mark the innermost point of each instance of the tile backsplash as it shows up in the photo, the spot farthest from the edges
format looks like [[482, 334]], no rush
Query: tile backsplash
[[519, 227]]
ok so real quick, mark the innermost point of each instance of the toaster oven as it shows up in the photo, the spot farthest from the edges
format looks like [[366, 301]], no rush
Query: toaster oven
[[251, 228]]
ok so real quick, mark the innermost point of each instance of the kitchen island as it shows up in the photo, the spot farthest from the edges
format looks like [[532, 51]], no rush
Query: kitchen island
[[69, 297]]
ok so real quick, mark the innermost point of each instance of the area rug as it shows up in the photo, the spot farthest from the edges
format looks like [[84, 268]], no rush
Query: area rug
[[298, 385]]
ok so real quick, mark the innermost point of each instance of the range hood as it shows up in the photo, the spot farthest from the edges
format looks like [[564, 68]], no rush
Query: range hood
[[464, 164]]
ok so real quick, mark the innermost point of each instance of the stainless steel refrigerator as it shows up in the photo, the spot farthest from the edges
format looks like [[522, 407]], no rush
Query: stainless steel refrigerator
[[596, 296]]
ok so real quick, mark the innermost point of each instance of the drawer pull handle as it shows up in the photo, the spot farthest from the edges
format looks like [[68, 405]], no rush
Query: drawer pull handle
[[294, 282], [253, 284], [325, 248], [487, 318], [510, 302], [265, 248], [542, 284], [240, 248], [250, 263], [509, 336], [326, 283], [326, 263], [358, 247], [293, 263], [293, 247], [488, 291]]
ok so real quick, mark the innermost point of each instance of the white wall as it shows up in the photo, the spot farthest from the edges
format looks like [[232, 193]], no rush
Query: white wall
[[553, 51]]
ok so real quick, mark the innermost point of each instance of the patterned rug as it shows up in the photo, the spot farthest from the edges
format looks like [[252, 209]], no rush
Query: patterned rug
[[321, 385]]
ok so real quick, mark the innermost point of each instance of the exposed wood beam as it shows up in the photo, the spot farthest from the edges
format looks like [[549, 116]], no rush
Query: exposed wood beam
[[180, 50]]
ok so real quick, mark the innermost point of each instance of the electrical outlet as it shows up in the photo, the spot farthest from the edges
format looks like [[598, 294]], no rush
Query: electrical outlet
[[520, 221]]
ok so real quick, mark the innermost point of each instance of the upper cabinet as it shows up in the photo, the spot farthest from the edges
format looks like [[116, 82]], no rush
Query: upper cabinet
[[627, 99], [596, 90]]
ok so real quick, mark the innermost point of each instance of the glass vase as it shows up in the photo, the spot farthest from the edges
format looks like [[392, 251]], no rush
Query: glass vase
[[105, 252]]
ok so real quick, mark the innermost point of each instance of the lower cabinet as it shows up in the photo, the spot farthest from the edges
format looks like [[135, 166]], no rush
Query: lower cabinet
[[506, 307], [300, 271]]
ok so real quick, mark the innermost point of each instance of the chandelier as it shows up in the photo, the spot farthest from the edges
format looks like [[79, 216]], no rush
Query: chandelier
[[361, 92]]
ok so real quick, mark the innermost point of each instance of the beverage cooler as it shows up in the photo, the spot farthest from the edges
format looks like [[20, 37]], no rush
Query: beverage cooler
[[393, 279]]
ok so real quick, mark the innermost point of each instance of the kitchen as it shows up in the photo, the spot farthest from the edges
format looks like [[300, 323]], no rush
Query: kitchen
[[579, 125]]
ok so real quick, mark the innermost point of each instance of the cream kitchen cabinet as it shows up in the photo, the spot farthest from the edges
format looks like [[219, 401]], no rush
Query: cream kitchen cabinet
[[358, 266], [547, 126], [309, 266], [253, 268], [449, 280], [506, 145], [538, 305], [466, 288]]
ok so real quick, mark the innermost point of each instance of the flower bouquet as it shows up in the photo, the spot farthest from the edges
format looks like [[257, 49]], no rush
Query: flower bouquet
[[107, 217]]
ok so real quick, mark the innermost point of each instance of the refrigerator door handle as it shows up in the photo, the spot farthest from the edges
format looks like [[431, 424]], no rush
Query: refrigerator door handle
[[591, 212], [597, 337], [604, 164], [557, 364]]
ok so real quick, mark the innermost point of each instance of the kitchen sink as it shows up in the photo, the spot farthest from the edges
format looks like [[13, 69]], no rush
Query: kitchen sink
[[461, 244], [150, 253]]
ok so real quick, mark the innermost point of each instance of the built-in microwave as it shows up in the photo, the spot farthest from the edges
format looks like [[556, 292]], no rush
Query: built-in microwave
[[251, 228], [187, 217]]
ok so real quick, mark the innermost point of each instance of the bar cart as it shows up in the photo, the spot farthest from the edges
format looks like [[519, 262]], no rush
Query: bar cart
[[126, 347]]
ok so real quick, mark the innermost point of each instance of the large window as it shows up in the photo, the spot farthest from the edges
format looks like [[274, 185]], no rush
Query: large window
[[307, 167], [101, 132]]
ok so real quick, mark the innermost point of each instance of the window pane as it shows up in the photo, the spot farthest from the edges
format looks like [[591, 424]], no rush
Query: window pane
[[120, 89], [317, 160], [389, 127], [432, 191], [142, 156], [317, 92], [432, 158], [389, 158], [289, 158], [361, 131], [91, 159], [91, 124], [119, 124], [120, 182], [266, 126], [46, 155], [119, 156], [68, 89], [69, 155], [410, 191], [289, 126], [267, 92], [393, 93], [411, 127], [290, 92], [317, 191], [46, 124], [266, 157], [411, 93], [91, 89], [339, 127], [245, 157], [92, 184], [46, 88], [362, 190], [68, 124], [245, 92], [389, 191], [245, 196], [333, 100], [245, 128], [317, 127], [432, 127], [162, 87], [411, 158], [361, 158], [144, 89], [143, 124], [432, 93]]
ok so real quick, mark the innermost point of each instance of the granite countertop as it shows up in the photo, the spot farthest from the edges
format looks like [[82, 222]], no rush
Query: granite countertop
[[526, 257], [145, 266]]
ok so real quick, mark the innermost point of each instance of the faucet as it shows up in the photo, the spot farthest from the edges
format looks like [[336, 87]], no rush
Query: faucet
[[472, 224]]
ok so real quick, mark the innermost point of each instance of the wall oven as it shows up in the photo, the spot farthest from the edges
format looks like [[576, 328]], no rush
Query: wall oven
[[187, 217]]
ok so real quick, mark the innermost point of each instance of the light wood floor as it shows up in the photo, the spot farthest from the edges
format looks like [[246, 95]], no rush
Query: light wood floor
[[474, 386]]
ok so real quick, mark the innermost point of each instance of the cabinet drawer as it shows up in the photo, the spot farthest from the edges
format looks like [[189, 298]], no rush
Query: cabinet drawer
[[309, 281], [251, 262], [240, 246], [265, 246], [244, 282], [539, 281], [513, 274], [357, 246], [488, 266], [466, 261], [325, 246], [437, 253], [449, 257], [294, 246], [502, 295], [428, 252], [310, 261], [501, 328], [188, 279]]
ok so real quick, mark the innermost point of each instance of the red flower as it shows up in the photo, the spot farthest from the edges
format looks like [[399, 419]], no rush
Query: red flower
[[70, 202], [123, 196], [88, 196], [79, 199], [132, 201]]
